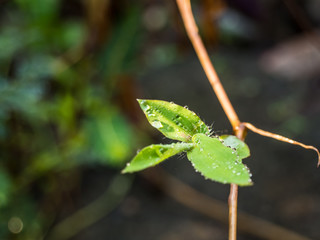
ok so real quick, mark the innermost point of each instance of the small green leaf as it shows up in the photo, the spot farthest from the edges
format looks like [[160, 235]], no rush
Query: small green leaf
[[217, 161], [155, 154], [242, 149], [172, 120]]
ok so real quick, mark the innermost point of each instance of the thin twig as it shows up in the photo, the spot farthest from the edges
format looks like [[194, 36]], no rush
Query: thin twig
[[192, 31], [233, 215], [280, 138]]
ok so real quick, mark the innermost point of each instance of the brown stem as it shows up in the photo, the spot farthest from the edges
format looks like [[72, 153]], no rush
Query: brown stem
[[192, 31], [233, 204], [280, 138]]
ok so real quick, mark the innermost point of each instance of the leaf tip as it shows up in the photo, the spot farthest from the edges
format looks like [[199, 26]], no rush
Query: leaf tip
[[126, 169], [144, 105]]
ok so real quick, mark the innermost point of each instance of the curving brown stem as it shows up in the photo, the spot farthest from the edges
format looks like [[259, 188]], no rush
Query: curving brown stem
[[192, 31], [280, 138]]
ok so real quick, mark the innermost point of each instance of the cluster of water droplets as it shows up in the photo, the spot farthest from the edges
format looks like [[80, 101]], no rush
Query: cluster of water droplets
[[147, 109], [214, 165], [178, 121]]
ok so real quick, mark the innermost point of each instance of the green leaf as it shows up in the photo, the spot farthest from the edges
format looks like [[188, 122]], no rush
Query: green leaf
[[172, 120], [218, 162], [231, 141], [155, 154]]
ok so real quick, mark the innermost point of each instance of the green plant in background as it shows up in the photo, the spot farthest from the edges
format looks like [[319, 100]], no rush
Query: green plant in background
[[218, 158], [58, 110]]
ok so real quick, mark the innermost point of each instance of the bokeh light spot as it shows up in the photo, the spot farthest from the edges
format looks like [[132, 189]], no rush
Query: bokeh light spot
[[15, 225]]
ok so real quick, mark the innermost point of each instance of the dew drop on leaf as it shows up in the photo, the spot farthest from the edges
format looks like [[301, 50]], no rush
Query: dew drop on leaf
[[157, 124], [147, 108]]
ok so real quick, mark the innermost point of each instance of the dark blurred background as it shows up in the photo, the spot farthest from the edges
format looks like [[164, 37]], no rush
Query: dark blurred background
[[70, 72]]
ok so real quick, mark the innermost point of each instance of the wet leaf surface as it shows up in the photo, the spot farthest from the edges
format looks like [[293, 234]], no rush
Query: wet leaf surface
[[155, 154], [231, 141], [172, 120], [218, 162]]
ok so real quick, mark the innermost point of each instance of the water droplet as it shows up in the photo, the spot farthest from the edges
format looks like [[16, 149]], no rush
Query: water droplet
[[157, 124], [238, 173], [147, 107], [201, 149], [162, 150]]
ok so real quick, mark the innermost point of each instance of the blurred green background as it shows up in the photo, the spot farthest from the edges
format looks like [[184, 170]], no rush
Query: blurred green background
[[70, 72]]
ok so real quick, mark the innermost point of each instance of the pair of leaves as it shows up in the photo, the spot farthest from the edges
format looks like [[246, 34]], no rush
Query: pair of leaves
[[216, 158]]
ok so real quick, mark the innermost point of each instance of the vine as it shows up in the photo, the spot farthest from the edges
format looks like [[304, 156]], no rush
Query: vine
[[218, 158]]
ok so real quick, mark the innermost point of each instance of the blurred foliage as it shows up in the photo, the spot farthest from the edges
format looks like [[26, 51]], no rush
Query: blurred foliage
[[59, 108], [67, 91]]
